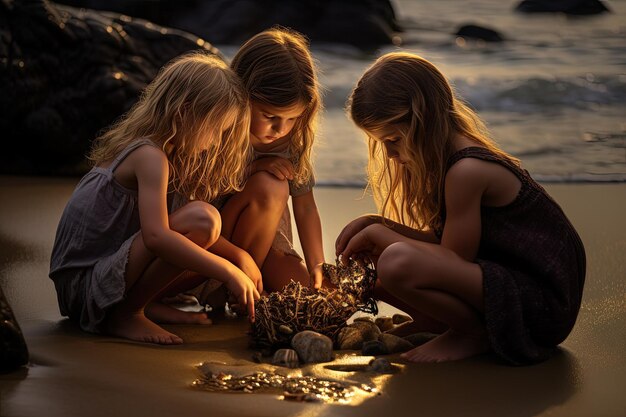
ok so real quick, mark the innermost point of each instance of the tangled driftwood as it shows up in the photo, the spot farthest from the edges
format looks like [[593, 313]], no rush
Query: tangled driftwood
[[280, 315]]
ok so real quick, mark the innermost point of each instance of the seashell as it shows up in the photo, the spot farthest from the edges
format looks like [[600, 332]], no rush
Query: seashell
[[349, 338], [368, 329], [381, 365], [286, 357], [284, 329], [384, 323], [395, 343], [313, 347], [374, 347], [400, 318]]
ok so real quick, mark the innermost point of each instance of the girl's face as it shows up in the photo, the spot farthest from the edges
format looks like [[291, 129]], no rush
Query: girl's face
[[271, 123], [393, 138]]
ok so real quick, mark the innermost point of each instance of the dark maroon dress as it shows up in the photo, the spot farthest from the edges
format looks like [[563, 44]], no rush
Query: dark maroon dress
[[533, 264]]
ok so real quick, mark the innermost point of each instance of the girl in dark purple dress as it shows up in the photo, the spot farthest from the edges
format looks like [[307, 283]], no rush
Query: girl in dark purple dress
[[466, 242]]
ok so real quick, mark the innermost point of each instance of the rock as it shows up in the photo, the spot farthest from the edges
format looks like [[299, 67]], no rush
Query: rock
[[374, 347], [573, 7], [363, 23], [286, 357], [67, 73], [381, 365], [284, 329], [400, 318], [313, 347], [384, 323], [13, 349], [479, 32], [366, 319], [417, 339], [395, 344], [368, 329], [349, 338]]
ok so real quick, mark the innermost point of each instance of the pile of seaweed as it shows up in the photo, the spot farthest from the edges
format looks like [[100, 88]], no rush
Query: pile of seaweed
[[280, 315]]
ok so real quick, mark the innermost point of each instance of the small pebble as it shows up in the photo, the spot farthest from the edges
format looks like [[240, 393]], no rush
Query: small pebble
[[384, 323], [400, 318], [368, 329], [395, 343], [374, 347], [381, 365]]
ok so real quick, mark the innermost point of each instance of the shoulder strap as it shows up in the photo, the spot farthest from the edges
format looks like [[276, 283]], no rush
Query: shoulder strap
[[486, 155], [131, 147]]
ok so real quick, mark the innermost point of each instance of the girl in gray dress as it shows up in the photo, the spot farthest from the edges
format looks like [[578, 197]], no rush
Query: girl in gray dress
[[474, 248], [122, 244]]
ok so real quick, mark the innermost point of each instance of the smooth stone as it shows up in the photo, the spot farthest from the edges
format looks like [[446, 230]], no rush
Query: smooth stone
[[417, 339], [384, 323], [368, 329], [381, 365], [313, 347], [400, 318], [395, 344], [374, 347], [366, 319], [349, 338]]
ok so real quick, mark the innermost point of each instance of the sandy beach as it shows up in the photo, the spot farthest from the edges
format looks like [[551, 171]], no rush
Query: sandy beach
[[73, 373]]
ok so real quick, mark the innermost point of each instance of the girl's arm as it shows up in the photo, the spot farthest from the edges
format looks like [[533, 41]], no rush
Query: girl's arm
[[466, 182], [310, 231], [240, 258], [152, 171], [360, 223]]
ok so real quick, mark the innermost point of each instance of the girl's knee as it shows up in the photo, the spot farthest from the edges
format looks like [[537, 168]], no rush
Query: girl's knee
[[267, 190], [203, 223], [402, 265]]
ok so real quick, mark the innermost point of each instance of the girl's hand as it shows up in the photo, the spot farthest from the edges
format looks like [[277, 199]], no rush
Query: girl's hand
[[250, 268], [243, 289], [279, 167], [316, 276], [352, 228], [363, 245]]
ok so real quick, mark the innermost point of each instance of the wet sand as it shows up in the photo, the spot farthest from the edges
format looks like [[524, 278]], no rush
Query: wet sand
[[77, 374]]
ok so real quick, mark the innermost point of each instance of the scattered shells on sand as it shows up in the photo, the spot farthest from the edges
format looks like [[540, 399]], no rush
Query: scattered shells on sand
[[286, 357]]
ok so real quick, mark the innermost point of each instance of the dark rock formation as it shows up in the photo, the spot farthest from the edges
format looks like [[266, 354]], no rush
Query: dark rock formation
[[13, 350], [364, 23], [479, 32], [573, 7], [67, 73]]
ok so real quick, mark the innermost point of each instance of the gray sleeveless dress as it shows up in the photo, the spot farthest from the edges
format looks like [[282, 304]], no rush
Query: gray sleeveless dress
[[92, 243]]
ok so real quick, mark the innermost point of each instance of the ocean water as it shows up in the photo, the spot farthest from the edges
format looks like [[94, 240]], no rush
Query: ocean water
[[553, 93]]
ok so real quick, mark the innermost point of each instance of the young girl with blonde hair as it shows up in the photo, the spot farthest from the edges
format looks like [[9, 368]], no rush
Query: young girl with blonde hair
[[120, 245], [467, 241], [279, 74]]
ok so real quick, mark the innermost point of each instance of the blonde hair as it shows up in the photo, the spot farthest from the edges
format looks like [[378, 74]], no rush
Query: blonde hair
[[277, 69], [407, 90], [196, 111]]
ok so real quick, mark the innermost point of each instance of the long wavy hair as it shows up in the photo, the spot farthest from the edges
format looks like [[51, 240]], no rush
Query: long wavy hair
[[196, 110], [405, 89], [277, 69]]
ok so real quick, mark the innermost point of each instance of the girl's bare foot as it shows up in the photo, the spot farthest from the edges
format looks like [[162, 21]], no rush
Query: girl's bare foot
[[165, 314], [138, 327], [450, 346]]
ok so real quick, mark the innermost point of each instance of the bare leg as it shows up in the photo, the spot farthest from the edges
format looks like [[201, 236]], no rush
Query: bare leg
[[147, 277], [440, 284], [280, 268], [421, 322], [250, 218]]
